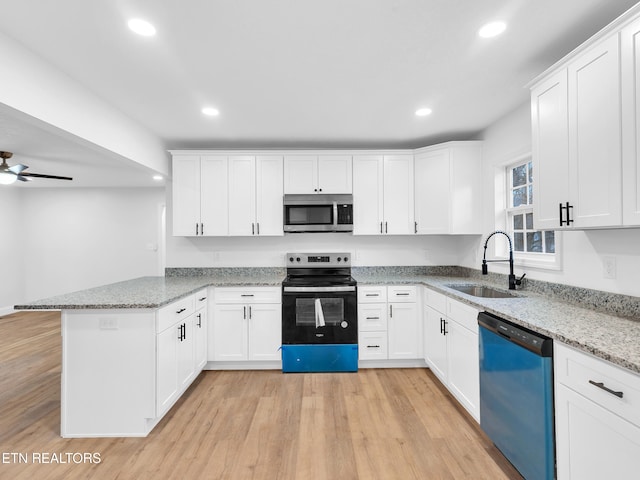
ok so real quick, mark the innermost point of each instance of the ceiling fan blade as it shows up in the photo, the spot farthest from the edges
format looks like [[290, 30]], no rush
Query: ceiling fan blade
[[17, 168], [39, 175], [22, 178]]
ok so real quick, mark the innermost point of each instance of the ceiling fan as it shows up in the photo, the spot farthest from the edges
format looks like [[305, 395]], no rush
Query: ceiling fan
[[9, 174]]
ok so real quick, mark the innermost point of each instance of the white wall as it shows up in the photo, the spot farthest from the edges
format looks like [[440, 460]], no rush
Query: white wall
[[11, 252], [70, 239], [582, 251]]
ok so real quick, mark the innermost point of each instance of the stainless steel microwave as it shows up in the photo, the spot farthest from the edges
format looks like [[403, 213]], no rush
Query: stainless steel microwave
[[318, 213]]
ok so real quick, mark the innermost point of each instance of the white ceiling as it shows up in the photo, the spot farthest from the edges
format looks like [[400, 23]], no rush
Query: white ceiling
[[296, 73]]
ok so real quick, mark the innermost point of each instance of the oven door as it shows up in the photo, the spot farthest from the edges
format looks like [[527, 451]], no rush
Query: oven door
[[312, 315]]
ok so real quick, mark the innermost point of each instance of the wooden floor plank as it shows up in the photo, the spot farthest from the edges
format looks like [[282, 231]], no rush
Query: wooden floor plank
[[373, 424]]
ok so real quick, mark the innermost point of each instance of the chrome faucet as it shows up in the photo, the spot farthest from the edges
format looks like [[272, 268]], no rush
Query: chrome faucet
[[512, 278]]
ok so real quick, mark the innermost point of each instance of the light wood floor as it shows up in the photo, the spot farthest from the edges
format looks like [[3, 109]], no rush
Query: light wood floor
[[374, 424]]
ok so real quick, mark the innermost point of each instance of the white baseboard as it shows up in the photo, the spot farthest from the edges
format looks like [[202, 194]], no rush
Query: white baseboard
[[8, 310]]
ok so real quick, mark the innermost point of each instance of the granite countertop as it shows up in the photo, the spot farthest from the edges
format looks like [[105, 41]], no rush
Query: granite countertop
[[613, 337], [610, 337], [151, 292]]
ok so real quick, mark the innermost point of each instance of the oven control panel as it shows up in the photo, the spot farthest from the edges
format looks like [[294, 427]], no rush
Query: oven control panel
[[322, 260]]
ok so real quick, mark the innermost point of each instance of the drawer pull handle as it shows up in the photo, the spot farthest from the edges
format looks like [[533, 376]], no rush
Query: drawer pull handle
[[371, 294], [373, 318], [601, 385], [202, 299], [181, 310], [373, 346], [246, 295]]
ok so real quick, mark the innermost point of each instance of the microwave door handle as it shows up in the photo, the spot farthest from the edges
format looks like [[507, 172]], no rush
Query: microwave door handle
[[335, 215]]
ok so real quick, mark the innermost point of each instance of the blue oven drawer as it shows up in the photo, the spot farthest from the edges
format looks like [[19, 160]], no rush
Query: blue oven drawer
[[320, 358]]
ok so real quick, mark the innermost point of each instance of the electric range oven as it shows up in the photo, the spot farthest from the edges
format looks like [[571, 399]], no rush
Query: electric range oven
[[319, 314]]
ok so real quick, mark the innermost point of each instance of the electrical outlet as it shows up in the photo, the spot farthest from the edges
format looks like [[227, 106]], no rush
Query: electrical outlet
[[609, 267]]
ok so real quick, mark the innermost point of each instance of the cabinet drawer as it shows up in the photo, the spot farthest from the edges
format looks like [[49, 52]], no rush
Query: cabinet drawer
[[399, 293], [464, 314], [372, 346], [372, 294], [372, 317], [175, 312], [435, 300], [577, 370], [201, 298], [248, 295]]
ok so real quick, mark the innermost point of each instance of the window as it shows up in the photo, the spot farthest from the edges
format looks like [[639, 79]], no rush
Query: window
[[527, 241]]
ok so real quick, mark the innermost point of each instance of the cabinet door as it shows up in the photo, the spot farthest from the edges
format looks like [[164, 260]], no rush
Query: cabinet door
[[550, 150], [300, 174], [186, 194], [200, 339], [404, 331], [214, 205], [630, 44], [269, 191], [592, 442], [465, 202], [335, 174], [433, 192], [398, 194], [228, 333], [463, 366], [435, 343], [595, 157], [368, 195], [265, 331], [167, 368], [242, 195], [186, 344]]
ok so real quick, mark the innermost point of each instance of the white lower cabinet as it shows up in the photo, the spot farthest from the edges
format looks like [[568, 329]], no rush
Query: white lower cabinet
[[179, 344], [246, 325], [597, 415], [451, 347], [123, 369], [388, 323]]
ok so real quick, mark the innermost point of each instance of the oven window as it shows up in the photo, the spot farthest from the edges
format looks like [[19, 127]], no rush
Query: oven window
[[310, 215], [332, 310]]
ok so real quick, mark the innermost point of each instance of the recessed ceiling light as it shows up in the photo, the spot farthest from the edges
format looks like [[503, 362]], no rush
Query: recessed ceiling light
[[157, 178], [492, 29], [210, 111], [142, 27], [423, 112]]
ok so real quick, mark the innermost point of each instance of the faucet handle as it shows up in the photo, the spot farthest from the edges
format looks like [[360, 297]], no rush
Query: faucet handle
[[519, 280]]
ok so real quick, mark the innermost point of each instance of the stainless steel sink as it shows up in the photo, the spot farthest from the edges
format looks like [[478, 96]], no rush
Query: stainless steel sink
[[481, 291]]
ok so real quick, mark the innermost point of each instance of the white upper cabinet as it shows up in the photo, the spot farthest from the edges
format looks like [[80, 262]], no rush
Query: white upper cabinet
[[368, 198], [550, 149], [630, 44], [595, 149], [398, 194], [219, 195], [581, 114], [255, 195], [308, 174], [269, 190], [383, 194], [200, 195], [448, 193]]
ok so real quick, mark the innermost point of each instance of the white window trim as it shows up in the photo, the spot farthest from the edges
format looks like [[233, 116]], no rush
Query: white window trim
[[500, 250]]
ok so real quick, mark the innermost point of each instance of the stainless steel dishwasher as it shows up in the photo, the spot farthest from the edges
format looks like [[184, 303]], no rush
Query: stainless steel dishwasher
[[516, 395]]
